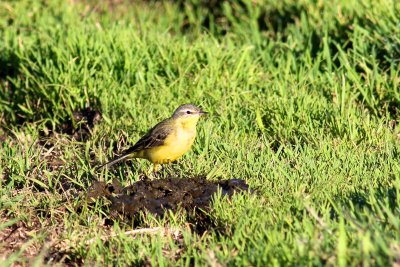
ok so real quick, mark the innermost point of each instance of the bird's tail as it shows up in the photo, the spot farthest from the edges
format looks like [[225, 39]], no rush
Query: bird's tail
[[115, 160]]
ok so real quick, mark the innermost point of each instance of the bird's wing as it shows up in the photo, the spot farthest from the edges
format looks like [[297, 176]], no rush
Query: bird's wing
[[155, 137]]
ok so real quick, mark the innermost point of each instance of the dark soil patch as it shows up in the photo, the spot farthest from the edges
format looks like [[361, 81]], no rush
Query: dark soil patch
[[81, 123], [22, 237], [78, 126], [194, 195], [3, 135], [13, 237], [51, 144]]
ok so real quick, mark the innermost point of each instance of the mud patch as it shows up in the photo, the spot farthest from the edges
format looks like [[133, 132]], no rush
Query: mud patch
[[192, 195]]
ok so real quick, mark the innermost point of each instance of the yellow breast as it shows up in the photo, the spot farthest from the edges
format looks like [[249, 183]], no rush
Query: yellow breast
[[175, 145]]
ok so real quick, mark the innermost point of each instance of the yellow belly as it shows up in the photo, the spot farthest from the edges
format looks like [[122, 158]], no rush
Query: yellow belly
[[175, 145]]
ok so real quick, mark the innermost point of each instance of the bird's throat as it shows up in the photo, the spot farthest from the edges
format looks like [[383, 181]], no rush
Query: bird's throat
[[188, 123]]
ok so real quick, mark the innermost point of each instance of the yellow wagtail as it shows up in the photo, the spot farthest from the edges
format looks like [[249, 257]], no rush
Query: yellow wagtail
[[167, 141]]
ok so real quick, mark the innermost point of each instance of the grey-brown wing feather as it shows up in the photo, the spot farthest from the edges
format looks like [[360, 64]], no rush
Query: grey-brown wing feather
[[155, 137]]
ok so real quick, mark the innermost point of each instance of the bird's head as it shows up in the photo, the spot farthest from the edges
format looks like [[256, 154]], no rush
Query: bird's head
[[188, 114]]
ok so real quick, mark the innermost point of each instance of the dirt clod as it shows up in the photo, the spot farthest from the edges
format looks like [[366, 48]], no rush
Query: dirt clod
[[194, 195]]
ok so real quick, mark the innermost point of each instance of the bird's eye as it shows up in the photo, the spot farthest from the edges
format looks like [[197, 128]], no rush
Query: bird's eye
[[188, 112]]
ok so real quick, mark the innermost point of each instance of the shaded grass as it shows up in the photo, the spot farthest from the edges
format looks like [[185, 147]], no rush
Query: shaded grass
[[306, 103]]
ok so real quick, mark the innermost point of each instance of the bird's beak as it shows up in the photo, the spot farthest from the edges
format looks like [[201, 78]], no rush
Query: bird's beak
[[202, 113]]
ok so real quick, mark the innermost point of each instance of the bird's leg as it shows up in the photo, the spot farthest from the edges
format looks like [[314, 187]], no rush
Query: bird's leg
[[153, 169], [156, 167]]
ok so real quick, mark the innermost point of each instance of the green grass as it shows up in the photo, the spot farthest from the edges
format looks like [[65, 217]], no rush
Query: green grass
[[304, 99]]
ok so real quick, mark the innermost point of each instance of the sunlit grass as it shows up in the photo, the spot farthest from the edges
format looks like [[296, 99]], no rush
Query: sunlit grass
[[304, 101]]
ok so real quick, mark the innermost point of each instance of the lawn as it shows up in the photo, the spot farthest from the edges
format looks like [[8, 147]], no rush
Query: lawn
[[304, 102]]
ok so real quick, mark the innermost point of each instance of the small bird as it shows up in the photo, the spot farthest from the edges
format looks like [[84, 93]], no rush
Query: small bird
[[167, 141]]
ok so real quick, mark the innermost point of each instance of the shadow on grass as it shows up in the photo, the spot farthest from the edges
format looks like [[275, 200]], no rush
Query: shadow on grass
[[31, 94], [376, 202], [50, 143], [9, 62]]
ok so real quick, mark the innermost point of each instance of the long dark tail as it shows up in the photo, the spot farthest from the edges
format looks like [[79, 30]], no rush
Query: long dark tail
[[114, 160]]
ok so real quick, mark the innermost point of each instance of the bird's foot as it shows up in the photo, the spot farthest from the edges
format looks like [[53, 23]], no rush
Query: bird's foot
[[151, 173], [144, 176], [148, 176]]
